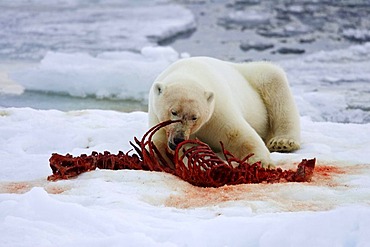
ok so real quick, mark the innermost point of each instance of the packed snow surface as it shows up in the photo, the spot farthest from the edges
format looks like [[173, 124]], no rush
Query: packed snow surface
[[139, 208]]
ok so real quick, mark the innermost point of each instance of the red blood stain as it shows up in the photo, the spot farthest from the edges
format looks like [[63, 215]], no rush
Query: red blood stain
[[23, 187], [274, 194], [328, 171], [15, 187]]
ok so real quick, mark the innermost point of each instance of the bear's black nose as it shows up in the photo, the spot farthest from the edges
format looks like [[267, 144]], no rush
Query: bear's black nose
[[172, 146], [178, 140]]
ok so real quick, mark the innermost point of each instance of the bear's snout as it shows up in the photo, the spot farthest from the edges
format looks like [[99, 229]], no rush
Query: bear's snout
[[172, 144]]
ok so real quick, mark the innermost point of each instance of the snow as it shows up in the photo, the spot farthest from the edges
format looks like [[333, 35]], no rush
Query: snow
[[139, 208], [78, 47]]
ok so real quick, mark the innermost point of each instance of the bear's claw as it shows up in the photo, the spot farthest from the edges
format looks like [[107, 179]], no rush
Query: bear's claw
[[282, 144]]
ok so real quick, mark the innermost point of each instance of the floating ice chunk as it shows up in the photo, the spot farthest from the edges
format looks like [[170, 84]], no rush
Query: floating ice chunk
[[357, 35], [109, 75], [247, 18], [355, 53], [291, 29], [296, 9], [255, 45]]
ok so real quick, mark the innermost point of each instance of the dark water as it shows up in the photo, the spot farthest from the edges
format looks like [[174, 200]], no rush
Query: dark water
[[42, 100]]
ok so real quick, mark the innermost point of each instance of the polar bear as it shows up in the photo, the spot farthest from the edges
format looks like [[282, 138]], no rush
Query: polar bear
[[248, 106]]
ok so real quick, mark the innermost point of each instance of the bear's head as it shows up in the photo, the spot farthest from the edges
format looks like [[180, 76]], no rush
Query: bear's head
[[188, 102]]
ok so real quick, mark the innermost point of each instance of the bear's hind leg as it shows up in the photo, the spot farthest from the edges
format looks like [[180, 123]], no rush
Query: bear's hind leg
[[283, 116]]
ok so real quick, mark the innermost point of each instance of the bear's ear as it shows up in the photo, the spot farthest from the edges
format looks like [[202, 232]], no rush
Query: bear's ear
[[209, 96], [158, 88]]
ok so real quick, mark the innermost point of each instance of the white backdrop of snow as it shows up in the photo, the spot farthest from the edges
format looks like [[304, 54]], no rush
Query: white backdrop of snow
[[138, 208]]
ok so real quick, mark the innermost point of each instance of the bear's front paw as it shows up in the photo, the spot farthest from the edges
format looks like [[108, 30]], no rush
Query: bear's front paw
[[282, 144], [266, 163]]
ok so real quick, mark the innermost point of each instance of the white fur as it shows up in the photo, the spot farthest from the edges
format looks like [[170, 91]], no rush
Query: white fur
[[249, 106]]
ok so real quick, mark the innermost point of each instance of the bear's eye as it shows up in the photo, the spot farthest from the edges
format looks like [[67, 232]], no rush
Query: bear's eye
[[194, 118], [174, 113]]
